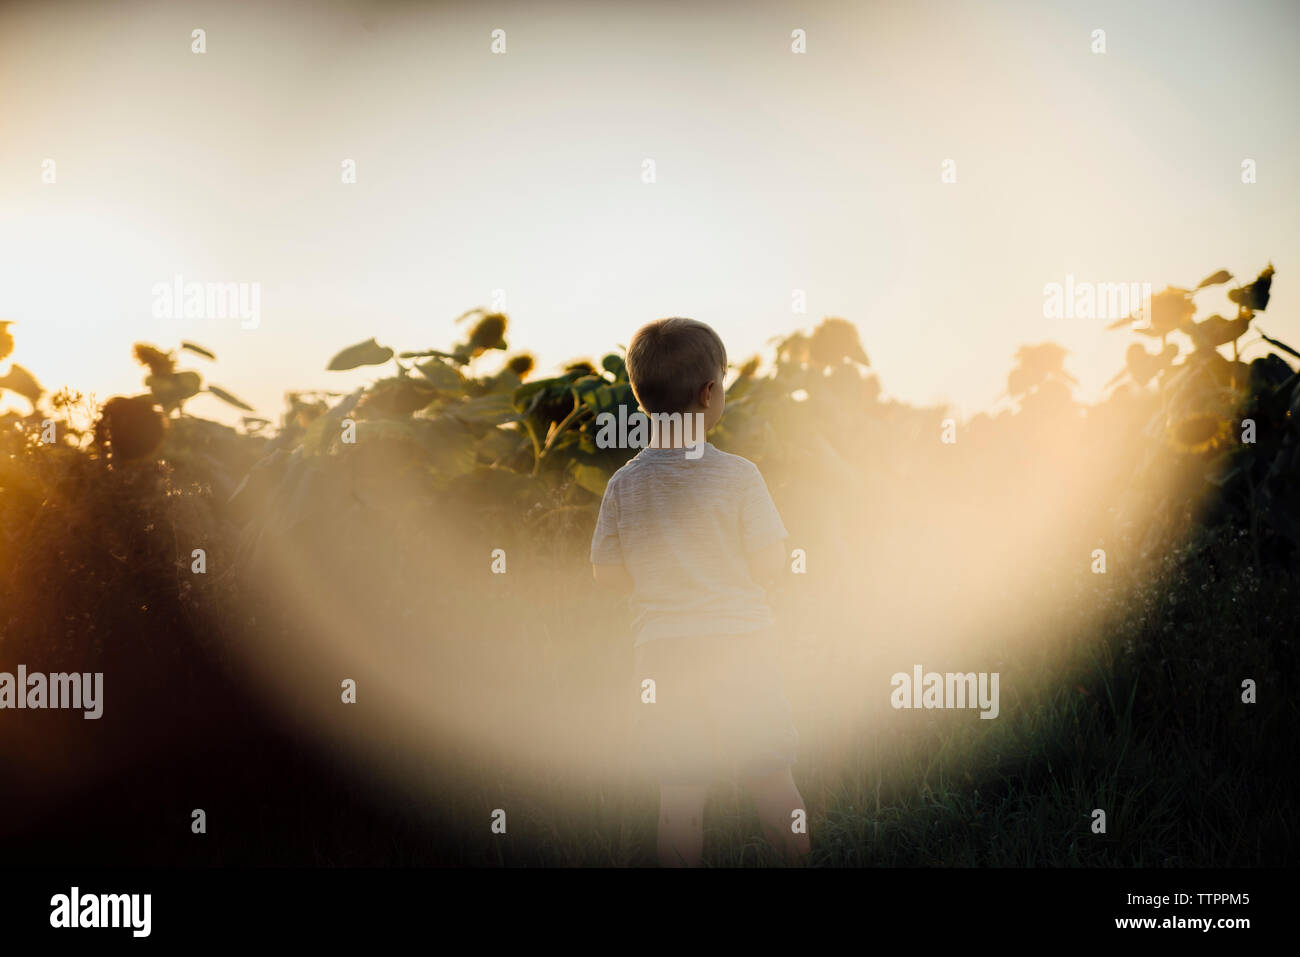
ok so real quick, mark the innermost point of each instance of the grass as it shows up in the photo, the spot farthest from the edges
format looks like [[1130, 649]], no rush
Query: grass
[[1138, 713]]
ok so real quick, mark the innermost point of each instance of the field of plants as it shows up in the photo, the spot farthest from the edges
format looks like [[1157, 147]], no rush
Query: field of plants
[[1124, 565]]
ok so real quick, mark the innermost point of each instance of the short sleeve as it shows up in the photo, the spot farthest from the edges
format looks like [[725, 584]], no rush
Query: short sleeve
[[605, 546], [760, 523]]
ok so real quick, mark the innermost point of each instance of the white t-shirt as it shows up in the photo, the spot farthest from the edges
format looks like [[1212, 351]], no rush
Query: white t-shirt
[[685, 529]]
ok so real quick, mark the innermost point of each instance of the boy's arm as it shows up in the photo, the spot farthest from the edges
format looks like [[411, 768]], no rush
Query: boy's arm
[[607, 565], [763, 533]]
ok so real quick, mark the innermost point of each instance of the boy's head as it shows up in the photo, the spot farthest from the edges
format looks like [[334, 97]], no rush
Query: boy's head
[[677, 365]]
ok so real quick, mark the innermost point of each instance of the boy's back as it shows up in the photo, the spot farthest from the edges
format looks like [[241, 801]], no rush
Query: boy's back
[[685, 528]]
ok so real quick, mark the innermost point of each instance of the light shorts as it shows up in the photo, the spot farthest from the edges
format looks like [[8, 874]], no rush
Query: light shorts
[[720, 708]]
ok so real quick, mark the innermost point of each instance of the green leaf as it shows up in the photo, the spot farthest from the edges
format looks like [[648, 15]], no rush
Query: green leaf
[[173, 389], [493, 409], [198, 350], [368, 353], [551, 388], [1214, 279], [441, 376], [1280, 345], [609, 397], [345, 405], [615, 365], [503, 381], [590, 477], [596, 399], [321, 434], [621, 394], [498, 444], [427, 353], [23, 382], [226, 397], [450, 445], [589, 385], [568, 438], [604, 399], [525, 394]]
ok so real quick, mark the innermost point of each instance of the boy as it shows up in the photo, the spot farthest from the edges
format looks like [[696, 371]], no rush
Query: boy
[[693, 534]]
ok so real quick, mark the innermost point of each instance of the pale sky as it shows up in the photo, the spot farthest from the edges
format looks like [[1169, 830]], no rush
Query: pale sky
[[522, 172]]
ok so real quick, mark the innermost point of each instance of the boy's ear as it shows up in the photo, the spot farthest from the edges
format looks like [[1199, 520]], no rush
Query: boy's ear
[[706, 393]]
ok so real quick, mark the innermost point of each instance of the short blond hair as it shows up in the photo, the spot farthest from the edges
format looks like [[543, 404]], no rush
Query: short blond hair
[[670, 360]]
